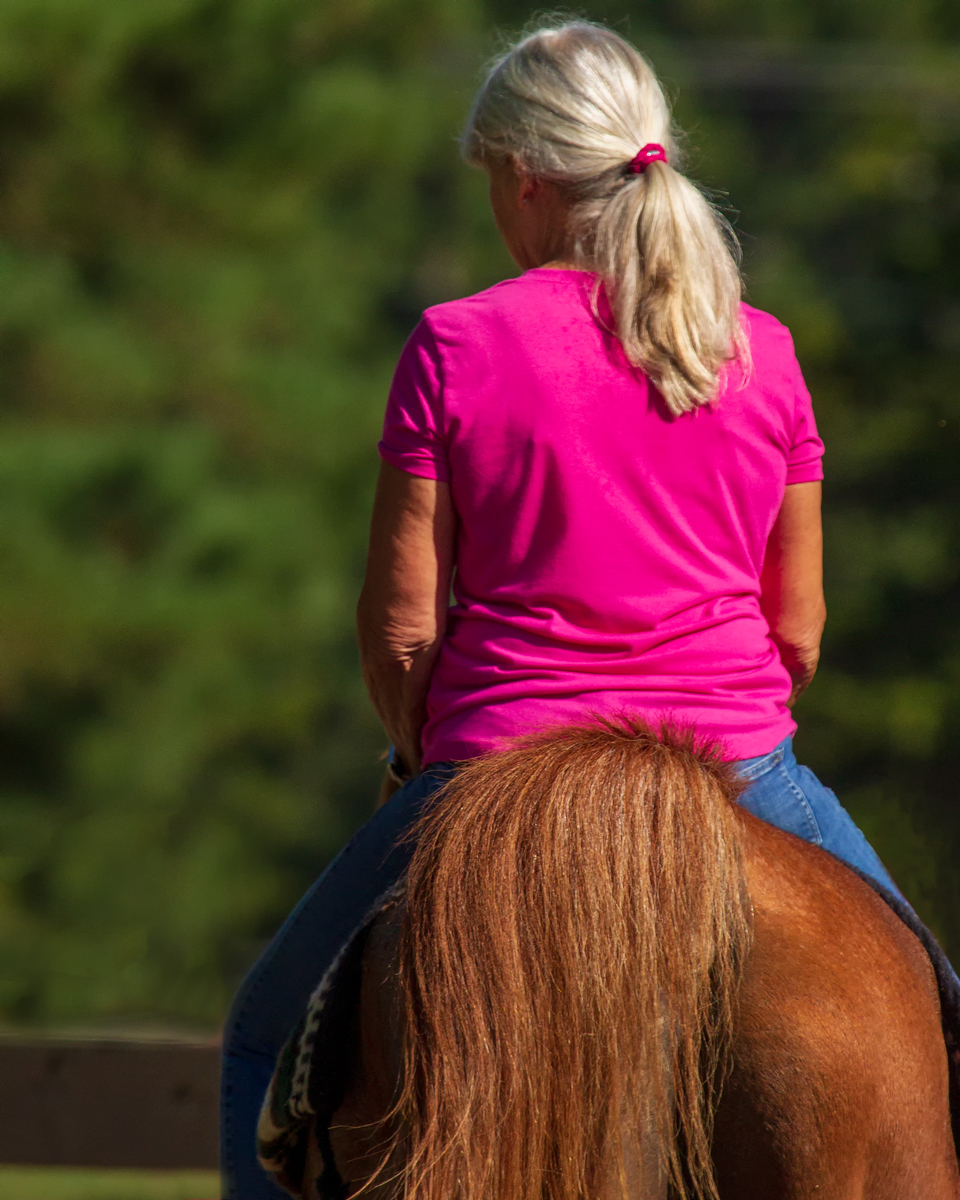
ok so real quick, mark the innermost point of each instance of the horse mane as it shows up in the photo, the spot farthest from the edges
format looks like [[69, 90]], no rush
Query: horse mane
[[569, 960]]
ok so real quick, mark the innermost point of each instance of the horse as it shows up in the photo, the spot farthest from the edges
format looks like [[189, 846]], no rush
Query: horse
[[603, 978]]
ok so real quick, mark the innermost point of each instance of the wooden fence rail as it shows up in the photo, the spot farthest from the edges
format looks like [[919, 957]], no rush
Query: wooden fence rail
[[110, 1103]]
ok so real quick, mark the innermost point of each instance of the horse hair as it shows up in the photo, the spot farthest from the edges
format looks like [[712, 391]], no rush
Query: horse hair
[[570, 956]]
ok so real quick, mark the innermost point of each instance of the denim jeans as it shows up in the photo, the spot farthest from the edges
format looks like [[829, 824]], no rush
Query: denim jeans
[[791, 797], [273, 996]]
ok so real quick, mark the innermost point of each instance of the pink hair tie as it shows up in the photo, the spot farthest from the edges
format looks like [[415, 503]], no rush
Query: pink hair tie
[[652, 152]]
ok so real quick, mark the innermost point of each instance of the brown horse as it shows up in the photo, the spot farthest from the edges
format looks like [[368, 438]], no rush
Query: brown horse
[[607, 980]]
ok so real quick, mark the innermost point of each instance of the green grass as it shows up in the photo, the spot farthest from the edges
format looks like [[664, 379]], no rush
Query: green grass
[[64, 1183]]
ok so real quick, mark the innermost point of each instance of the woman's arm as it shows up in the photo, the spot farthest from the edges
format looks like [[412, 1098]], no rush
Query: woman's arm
[[402, 611], [792, 583]]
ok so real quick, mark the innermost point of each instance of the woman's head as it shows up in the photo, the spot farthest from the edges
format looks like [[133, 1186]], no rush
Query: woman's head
[[558, 123]]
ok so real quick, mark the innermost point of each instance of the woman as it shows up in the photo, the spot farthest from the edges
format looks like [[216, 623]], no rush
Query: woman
[[616, 464]]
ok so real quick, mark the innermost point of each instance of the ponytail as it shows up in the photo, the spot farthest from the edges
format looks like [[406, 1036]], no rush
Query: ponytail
[[670, 267], [573, 104]]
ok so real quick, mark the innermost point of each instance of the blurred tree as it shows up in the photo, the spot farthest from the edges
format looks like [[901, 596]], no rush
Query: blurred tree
[[218, 220]]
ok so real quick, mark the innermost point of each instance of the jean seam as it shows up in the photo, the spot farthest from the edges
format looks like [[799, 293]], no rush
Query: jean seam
[[764, 766], [817, 839], [256, 986]]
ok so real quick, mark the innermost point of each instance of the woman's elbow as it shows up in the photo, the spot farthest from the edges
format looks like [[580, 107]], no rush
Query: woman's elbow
[[389, 639], [799, 648], [808, 630], [818, 620]]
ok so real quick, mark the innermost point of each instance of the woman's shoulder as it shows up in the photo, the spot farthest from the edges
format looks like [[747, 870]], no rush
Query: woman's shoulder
[[465, 309], [520, 300], [766, 334], [773, 359]]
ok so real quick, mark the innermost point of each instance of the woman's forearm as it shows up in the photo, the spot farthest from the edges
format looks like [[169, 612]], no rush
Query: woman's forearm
[[792, 584], [402, 613], [398, 681]]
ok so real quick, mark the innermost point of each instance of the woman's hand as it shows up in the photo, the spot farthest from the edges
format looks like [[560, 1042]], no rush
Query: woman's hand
[[792, 584], [402, 613]]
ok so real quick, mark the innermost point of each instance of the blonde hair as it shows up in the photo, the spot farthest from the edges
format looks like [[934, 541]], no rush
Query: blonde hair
[[573, 104]]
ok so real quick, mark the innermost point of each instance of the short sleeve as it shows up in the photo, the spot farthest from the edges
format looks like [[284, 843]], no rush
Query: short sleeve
[[413, 435], [805, 461]]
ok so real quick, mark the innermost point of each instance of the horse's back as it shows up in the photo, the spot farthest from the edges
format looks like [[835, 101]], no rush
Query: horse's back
[[839, 1086]]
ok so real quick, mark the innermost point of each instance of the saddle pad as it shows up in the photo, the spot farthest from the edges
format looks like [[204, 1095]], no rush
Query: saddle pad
[[315, 1066]]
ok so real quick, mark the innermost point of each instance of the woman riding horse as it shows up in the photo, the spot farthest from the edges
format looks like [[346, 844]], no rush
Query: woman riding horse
[[614, 462]]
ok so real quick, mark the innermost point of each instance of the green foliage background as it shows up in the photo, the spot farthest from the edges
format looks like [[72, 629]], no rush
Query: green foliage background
[[219, 219]]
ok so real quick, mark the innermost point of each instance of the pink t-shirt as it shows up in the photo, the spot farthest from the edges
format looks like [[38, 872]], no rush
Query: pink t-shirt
[[608, 554]]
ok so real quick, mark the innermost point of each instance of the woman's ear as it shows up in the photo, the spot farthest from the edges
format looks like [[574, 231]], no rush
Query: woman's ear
[[528, 187]]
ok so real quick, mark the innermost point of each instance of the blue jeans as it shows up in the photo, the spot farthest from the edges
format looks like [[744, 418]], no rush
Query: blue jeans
[[274, 994], [273, 997], [793, 798]]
